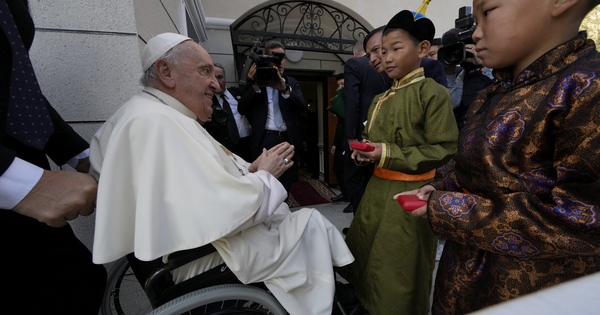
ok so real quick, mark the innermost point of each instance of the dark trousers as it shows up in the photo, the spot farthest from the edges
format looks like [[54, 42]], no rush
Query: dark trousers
[[339, 159], [46, 270], [242, 149], [356, 178], [269, 141]]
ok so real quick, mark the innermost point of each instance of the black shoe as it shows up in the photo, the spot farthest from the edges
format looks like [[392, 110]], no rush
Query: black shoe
[[344, 293], [345, 230], [357, 309], [348, 209], [339, 198]]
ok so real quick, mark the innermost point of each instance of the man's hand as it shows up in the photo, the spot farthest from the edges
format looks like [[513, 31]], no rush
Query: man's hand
[[281, 85], [251, 74], [274, 161], [332, 150], [423, 194], [470, 48], [58, 197]]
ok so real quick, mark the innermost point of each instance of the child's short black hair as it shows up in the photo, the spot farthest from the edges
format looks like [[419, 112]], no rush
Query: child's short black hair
[[339, 77]]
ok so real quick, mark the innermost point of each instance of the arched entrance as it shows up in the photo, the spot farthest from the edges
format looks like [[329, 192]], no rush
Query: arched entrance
[[316, 29], [299, 25]]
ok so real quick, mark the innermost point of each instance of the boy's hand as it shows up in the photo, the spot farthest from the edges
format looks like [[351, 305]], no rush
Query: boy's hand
[[423, 194], [365, 156]]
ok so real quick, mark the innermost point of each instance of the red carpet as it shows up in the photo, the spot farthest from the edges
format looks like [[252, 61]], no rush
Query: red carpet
[[307, 192]]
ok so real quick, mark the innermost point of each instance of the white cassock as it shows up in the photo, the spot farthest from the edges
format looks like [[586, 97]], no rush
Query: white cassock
[[166, 185]]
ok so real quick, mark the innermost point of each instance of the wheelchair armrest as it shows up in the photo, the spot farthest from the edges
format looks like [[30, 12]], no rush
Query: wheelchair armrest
[[175, 260]]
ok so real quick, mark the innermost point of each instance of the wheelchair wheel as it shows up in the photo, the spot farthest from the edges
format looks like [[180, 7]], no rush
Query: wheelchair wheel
[[124, 295], [224, 299]]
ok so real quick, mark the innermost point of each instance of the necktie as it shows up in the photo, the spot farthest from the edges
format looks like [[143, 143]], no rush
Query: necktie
[[276, 110], [27, 118], [234, 134]]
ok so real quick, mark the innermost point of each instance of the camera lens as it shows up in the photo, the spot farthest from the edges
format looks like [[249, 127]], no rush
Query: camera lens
[[266, 76], [219, 115], [454, 57]]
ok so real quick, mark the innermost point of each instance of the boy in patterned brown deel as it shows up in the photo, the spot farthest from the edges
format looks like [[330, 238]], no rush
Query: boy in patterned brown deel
[[519, 204]]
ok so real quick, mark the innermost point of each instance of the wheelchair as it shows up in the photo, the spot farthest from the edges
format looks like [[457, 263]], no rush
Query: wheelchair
[[216, 291]]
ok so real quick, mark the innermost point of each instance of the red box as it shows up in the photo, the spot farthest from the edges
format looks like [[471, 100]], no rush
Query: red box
[[362, 146], [410, 202]]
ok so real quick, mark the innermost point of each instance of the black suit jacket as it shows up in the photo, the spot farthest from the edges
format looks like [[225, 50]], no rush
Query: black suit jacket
[[432, 68], [218, 130], [361, 84], [255, 107], [64, 143]]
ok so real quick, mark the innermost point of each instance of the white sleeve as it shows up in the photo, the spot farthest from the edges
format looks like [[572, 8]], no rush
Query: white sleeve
[[75, 160], [17, 181], [273, 199]]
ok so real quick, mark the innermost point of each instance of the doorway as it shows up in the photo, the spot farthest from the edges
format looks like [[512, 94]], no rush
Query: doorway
[[318, 124]]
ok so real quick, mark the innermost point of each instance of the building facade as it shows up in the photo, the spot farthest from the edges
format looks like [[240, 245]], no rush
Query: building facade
[[86, 53]]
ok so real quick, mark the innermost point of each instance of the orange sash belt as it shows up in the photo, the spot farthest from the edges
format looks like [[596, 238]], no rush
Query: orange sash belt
[[393, 175]]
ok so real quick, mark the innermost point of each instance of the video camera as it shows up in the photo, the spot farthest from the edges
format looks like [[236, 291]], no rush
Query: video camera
[[454, 53], [265, 74]]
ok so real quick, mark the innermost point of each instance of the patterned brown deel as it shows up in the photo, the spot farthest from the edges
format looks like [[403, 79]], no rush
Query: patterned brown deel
[[519, 204]]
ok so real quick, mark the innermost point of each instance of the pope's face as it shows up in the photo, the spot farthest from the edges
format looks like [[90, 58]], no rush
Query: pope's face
[[195, 82]]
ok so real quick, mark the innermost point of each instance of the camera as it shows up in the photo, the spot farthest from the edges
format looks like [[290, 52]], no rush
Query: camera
[[265, 74], [219, 114], [453, 51]]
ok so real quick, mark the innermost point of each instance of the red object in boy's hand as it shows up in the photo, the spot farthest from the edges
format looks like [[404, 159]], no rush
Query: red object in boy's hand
[[410, 202], [362, 146]]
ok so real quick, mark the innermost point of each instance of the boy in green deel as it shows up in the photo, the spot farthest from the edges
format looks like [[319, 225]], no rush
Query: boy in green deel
[[413, 131], [519, 208]]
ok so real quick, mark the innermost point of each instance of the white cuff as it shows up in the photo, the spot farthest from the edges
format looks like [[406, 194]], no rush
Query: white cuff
[[75, 160], [17, 181]]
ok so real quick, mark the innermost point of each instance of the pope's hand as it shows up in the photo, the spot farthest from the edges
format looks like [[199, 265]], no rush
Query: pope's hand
[[277, 161]]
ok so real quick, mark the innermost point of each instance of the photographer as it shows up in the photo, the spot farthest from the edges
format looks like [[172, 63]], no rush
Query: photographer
[[459, 48], [473, 78], [227, 126], [273, 111]]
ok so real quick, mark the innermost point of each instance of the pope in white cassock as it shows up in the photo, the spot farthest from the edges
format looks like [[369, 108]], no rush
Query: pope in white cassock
[[166, 185]]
